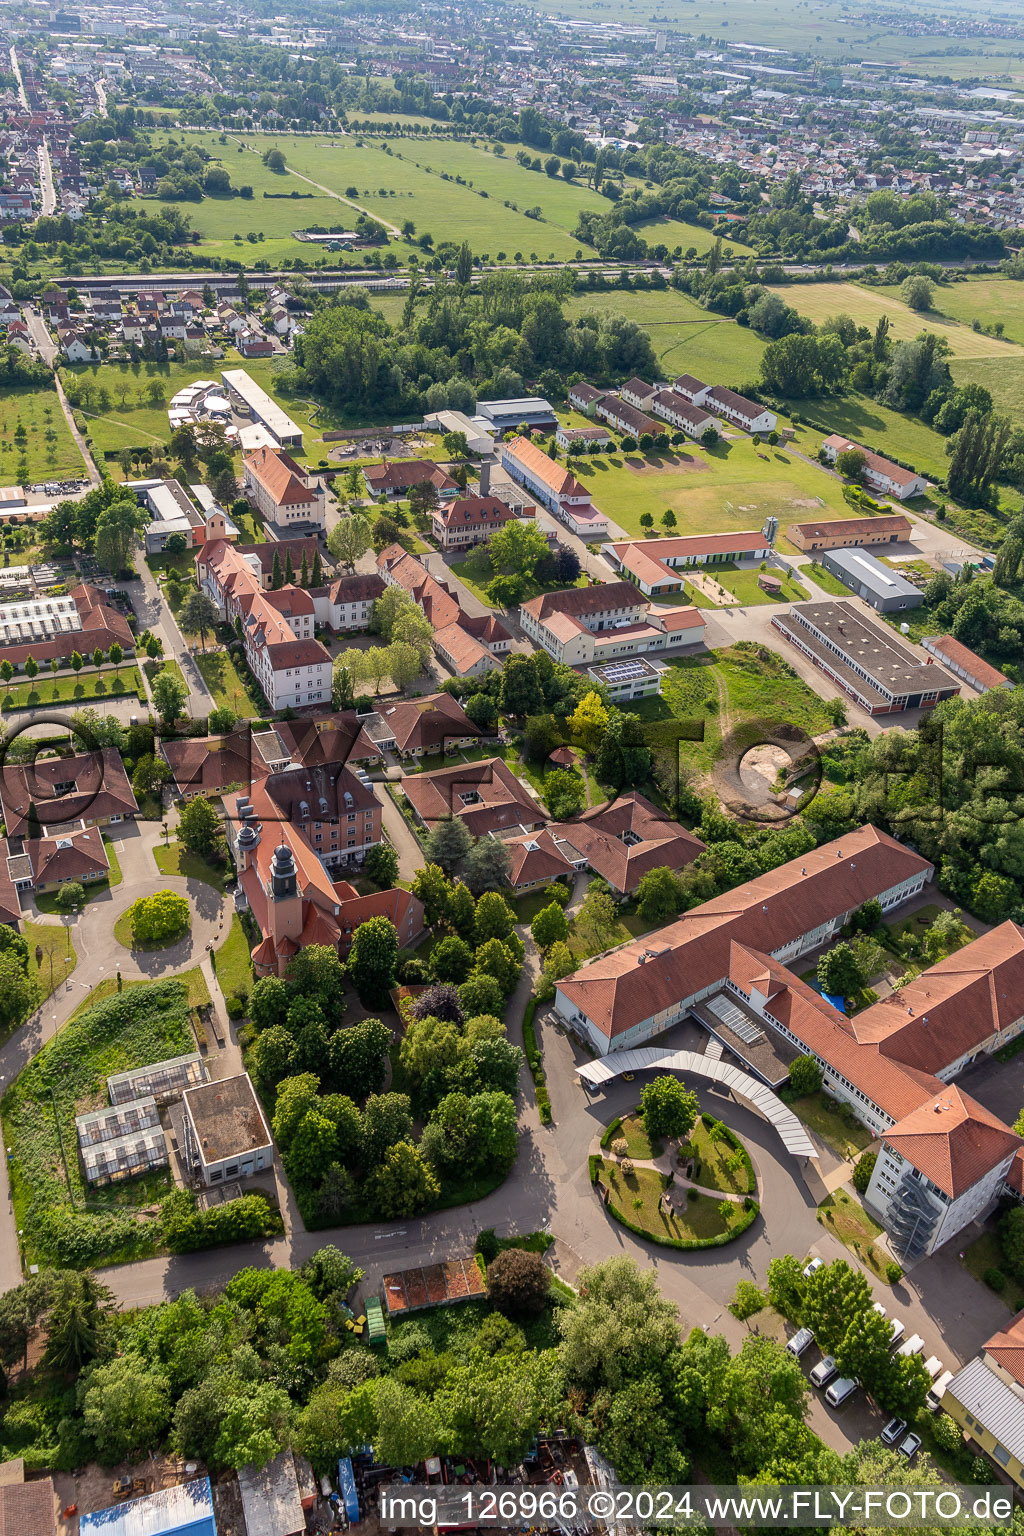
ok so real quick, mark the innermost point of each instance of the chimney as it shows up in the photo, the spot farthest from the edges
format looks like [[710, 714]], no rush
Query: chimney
[[485, 479]]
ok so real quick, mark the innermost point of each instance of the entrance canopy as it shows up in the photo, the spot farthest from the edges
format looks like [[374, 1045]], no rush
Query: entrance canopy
[[648, 1058]]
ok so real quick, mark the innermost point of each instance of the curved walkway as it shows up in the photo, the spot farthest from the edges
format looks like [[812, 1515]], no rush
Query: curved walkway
[[794, 1138]]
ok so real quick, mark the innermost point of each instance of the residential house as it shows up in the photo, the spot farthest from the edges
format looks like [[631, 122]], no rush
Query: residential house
[[470, 520], [626, 418], [435, 723], [678, 411], [468, 644], [590, 437], [739, 410], [639, 393], [585, 398], [281, 490], [882, 475]]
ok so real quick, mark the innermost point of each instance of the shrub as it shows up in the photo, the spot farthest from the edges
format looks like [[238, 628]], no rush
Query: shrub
[[948, 1434], [805, 1076], [518, 1282], [487, 1245], [748, 1299], [994, 1279], [893, 1272], [235, 1007], [864, 1168]]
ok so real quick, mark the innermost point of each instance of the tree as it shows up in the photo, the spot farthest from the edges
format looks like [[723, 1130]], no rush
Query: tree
[[487, 866], [31, 667], [272, 1057], [274, 160], [620, 1328], [198, 615], [75, 1326], [312, 1148], [431, 886], [451, 959], [372, 960], [116, 654], [440, 1001], [916, 293], [125, 1405], [70, 897], [199, 827], [496, 959], [667, 1108], [404, 664], [358, 1056], [455, 445], [565, 794], [495, 919], [839, 972], [448, 845], [786, 1287], [403, 1184], [1011, 1234], [116, 532], [480, 994], [158, 919], [623, 759], [550, 926], [381, 865], [254, 1427], [851, 463], [804, 1076], [598, 916], [19, 994], [518, 1282], [268, 1002], [659, 897], [150, 776], [482, 711], [169, 696], [521, 693], [863, 1169], [588, 722], [834, 1296]]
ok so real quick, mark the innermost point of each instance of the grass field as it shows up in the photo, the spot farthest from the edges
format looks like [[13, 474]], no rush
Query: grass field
[[52, 939], [46, 689], [48, 451], [743, 585], [700, 1219], [866, 306], [174, 859], [987, 299], [225, 682], [638, 1143], [673, 232], [686, 338], [711, 490], [406, 183], [850, 1222], [232, 964], [845, 1135], [1004, 381]]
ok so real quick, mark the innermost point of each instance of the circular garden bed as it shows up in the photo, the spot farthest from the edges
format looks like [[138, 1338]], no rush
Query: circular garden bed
[[665, 1208], [154, 922]]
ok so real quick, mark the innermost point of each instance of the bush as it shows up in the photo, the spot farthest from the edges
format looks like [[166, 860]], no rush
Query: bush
[[235, 1007], [863, 1169], [805, 1076], [893, 1272], [994, 1279], [748, 1299], [487, 1245], [948, 1434], [518, 1282], [184, 1228]]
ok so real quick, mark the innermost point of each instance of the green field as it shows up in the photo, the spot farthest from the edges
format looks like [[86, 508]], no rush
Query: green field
[[52, 939], [232, 963], [673, 232], [226, 684], [686, 338], [710, 490], [986, 299], [818, 301], [69, 688], [407, 184], [48, 451]]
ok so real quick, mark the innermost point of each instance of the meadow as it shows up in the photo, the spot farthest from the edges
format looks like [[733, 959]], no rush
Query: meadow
[[673, 232], [818, 301], [685, 337], [48, 450], [710, 491], [986, 299]]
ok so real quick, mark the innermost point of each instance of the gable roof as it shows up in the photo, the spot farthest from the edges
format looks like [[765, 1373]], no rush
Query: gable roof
[[1007, 1348], [280, 476], [626, 839], [561, 481], [97, 786], [486, 795], [425, 724]]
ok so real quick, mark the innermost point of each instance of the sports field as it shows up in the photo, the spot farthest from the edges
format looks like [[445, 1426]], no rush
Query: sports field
[[710, 491], [818, 301], [35, 443], [686, 338]]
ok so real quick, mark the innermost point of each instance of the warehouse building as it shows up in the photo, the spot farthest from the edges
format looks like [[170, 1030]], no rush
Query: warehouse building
[[251, 400], [885, 589], [872, 665]]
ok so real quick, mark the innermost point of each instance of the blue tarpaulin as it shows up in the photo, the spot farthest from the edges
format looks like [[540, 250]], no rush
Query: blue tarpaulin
[[347, 1484], [183, 1511]]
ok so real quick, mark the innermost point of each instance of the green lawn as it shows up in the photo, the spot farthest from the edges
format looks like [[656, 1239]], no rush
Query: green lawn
[[986, 299], [825, 580], [583, 941], [714, 490], [68, 1077], [232, 964], [124, 933], [673, 232], [847, 1218], [845, 1135], [638, 1144], [743, 585], [46, 689], [52, 938], [702, 1218], [715, 1170], [174, 859], [226, 683], [48, 451]]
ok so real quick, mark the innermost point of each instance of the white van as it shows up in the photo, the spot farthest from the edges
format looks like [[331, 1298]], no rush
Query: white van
[[933, 1365], [841, 1391], [933, 1402], [913, 1346]]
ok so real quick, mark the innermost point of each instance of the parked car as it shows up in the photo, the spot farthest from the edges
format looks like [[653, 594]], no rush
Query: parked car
[[913, 1346], [841, 1391], [879, 1309], [910, 1446], [813, 1267], [893, 1431], [936, 1392], [896, 1332], [933, 1365], [824, 1372], [800, 1342]]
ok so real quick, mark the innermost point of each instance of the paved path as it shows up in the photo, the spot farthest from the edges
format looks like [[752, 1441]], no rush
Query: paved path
[[69, 417], [155, 614]]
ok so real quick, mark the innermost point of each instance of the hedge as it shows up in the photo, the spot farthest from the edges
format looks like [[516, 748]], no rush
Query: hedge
[[611, 1133], [751, 1211], [536, 1063]]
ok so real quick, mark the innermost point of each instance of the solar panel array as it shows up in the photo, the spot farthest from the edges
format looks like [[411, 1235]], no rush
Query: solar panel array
[[622, 671], [729, 1014]]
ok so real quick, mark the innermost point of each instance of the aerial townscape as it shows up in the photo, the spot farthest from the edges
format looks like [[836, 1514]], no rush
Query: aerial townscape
[[511, 761]]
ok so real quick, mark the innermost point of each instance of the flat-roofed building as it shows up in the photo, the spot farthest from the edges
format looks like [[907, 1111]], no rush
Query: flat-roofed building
[[626, 680], [506, 415], [885, 589], [226, 1133], [259, 405], [872, 665], [850, 532]]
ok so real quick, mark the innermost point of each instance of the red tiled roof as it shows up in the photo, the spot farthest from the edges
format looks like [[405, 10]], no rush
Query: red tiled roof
[[953, 1140], [874, 461], [607, 596], [425, 724], [1007, 1347], [561, 481], [78, 856], [99, 783], [280, 477], [402, 474], [660, 842], [497, 799], [954, 651]]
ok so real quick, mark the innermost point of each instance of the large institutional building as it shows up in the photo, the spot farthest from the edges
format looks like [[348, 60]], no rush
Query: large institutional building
[[944, 1157]]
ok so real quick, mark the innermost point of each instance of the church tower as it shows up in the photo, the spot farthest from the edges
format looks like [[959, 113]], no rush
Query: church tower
[[284, 913]]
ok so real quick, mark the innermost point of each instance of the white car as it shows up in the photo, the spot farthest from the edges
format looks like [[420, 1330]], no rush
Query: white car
[[841, 1391], [896, 1331], [933, 1401], [800, 1342], [824, 1372], [913, 1346], [893, 1431], [813, 1267], [910, 1447], [879, 1309]]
